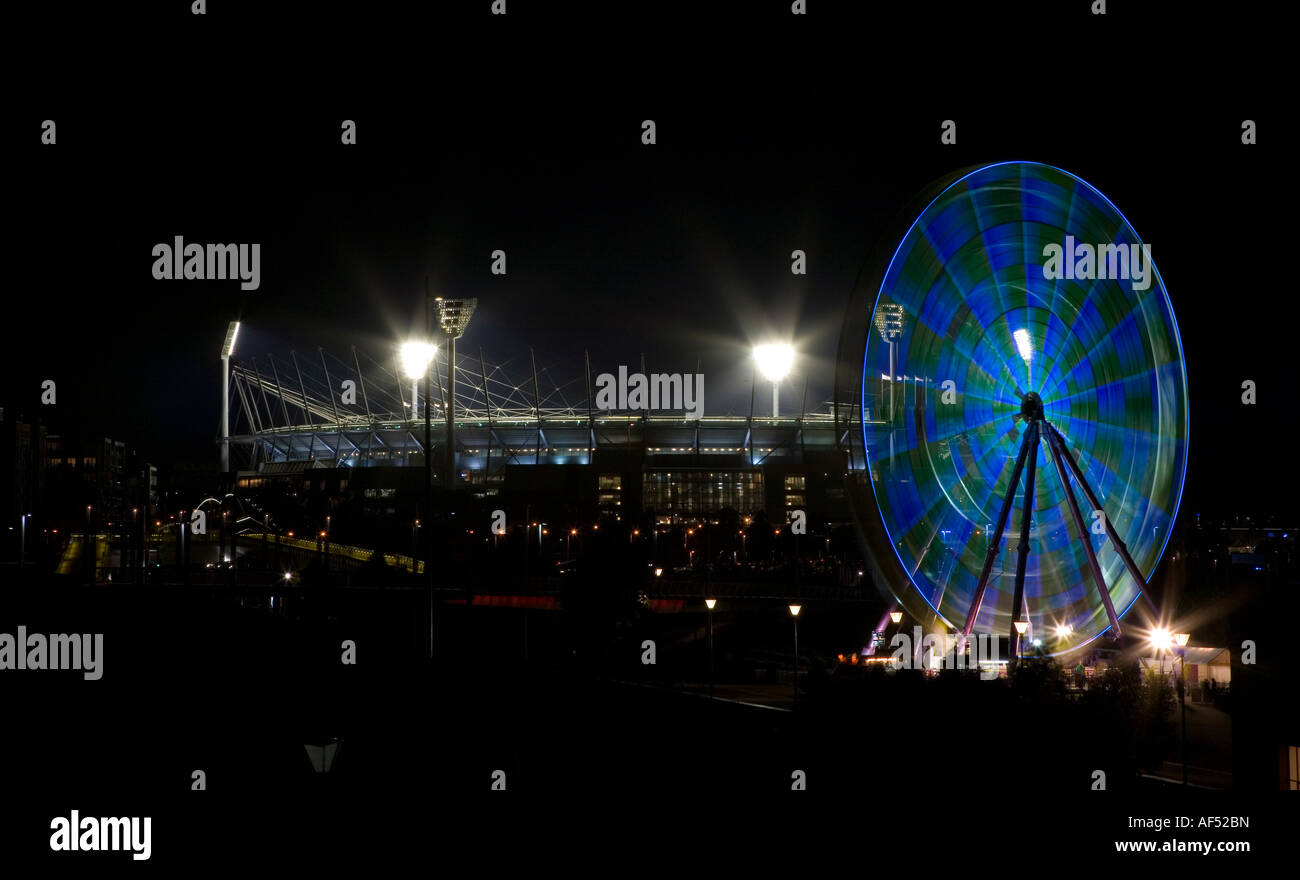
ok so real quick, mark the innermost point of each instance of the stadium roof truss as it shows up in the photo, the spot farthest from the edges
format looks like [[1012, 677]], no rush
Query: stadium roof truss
[[358, 413]]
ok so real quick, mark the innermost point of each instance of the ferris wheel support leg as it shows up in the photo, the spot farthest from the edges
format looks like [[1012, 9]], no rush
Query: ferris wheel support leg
[[1022, 558], [995, 539], [1094, 568], [1058, 442]]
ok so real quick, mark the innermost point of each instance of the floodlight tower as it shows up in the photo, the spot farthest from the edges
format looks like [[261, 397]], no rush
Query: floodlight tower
[[227, 349], [774, 362], [453, 318], [889, 323]]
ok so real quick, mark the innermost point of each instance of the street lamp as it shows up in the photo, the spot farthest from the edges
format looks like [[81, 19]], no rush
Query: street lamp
[[774, 362], [794, 615], [1021, 627], [896, 616], [1160, 641], [1182, 639], [708, 605]]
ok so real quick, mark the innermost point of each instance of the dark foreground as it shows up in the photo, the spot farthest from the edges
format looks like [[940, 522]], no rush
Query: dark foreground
[[558, 708]]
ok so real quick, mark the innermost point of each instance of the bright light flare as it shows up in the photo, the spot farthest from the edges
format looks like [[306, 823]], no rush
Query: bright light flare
[[416, 357], [1023, 344], [1161, 639], [774, 361]]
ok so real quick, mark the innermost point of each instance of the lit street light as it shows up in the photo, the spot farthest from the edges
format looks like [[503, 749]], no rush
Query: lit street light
[[708, 605], [794, 615], [774, 362]]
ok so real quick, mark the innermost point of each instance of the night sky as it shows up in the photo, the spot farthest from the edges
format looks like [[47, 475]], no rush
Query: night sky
[[679, 250]]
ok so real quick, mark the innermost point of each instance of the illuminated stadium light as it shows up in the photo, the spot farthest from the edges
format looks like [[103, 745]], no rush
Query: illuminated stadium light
[[228, 347], [416, 357], [774, 361]]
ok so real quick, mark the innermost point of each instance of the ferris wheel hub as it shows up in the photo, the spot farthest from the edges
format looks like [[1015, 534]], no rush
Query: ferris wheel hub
[[1031, 407]]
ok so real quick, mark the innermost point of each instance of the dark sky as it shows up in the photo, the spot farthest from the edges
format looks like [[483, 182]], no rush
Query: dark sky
[[680, 250]]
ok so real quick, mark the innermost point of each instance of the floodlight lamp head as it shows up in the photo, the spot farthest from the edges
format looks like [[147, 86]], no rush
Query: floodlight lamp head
[[454, 315], [889, 321], [416, 357], [228, 346], [774, 360]]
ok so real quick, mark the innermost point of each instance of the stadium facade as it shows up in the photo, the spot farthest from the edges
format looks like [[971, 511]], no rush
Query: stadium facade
[[327, 423]]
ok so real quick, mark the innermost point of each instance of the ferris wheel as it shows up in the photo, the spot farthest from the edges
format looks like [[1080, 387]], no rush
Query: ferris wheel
[[1023, 356]]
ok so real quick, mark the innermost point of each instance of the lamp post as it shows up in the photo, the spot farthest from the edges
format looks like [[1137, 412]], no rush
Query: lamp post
[[774, 362], [794, 615], [708, 606], [22, 545], [1022, 627], [1182, 639]]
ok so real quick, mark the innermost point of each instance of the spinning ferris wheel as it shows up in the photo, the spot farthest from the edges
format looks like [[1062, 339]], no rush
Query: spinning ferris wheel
[[1000, 376]]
